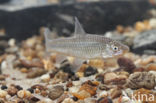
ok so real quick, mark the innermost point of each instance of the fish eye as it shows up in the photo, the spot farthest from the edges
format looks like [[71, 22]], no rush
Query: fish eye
[[115, 48]]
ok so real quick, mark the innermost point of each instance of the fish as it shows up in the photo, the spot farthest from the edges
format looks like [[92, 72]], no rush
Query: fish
[[84, 45]]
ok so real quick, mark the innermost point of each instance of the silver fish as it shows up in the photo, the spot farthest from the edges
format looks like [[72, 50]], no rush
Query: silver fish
[[84, 45]]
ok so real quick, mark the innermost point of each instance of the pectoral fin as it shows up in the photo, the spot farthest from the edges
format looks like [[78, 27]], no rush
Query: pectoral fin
[[77, 64]]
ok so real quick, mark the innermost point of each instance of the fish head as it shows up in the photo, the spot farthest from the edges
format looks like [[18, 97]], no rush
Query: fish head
[[115, 48]]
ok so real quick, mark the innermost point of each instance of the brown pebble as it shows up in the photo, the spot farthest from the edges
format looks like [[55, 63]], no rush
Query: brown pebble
[[38, 86], [36, 72], [56, 92], [12, 90], [2, 77], [89, 87], [34, 99], [30, 64], [44, 93], [69, 84], [141, 80], [104, 100], [126, 64], [151, 67], [116, 92]]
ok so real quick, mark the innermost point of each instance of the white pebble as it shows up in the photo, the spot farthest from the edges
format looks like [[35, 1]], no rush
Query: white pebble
[[3, 94], [11, 42], [4, 65], [68, 100], [73, 90], [45, 77], [103, 94], [152, 22], [23, 94]]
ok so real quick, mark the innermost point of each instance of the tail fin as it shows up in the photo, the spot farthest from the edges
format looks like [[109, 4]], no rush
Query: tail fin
[[48, 38]]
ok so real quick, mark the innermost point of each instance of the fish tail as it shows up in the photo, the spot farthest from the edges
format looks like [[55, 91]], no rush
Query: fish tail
[[48, 38]]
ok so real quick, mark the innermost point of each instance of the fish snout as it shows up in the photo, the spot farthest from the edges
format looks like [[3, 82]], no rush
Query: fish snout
[[125, 49]]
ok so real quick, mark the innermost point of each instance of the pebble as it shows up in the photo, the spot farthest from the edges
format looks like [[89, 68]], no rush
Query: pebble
[[30, 90], [90, 71], [68, 100], [3, 94], [152, 23], [45, 78], [103, 94], [113, 78], [104, 100], [126, 64], [141, 80], [4, 87], [151, 67], [89, 87], [36, 72], [34, 99], [56, 92], [11, 42], [23, 94], [82, 94], [115, 92], [12, 90]]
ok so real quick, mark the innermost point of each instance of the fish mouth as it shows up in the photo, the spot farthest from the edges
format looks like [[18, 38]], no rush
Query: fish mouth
[[125, 49]]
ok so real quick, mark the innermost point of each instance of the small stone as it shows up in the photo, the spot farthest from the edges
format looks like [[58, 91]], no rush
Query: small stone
[[3, 94], [4, 87], [152, 23], [141, 80], [69, 84], [104, 100], [100, 77], [36, 72], [24, 70], [126, 64], [12, 90], [151, 67], [23, 94], [90, 100], [116, 92], [55, 92], [45, 78], [34, 99], [2, 77], [39, 87], [75, 98], [104, 87], [113, 78], [90, 71], [30, 90], [18, 87], [82, 94], [66, 67], [64, 96], [11, 42], [68, 100], [89, 87], [44, 93], [103, 94]]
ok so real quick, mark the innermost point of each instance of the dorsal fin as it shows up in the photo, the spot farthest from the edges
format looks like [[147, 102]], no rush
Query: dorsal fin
[[78, 28]]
